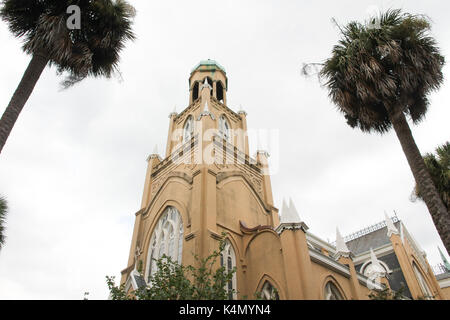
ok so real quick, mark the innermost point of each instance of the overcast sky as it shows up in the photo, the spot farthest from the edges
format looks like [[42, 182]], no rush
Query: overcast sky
[[73, 168]]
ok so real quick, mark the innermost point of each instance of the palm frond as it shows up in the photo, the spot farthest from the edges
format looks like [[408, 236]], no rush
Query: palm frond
[[371, 69]]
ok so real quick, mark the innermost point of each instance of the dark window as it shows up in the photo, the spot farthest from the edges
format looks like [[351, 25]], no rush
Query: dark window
[[219, 91], [195, 92]]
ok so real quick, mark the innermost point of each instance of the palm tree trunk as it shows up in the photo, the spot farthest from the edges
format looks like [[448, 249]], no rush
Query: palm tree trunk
[[21, 95], [439, 213]]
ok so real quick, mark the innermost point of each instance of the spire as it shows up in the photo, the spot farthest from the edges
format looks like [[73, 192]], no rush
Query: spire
[[284, 210], [391, 229], [206, 112], [242, 111], [206, 84], [289, 218], [174, 112], [293, 210], [155, 154], [373, 258], [341, 247], [289, 213], [376, 269]]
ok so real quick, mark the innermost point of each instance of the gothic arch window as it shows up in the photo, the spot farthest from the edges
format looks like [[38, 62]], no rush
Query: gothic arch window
[[268, 292], [188, 129], [166, 239], [423, 284], [228, 260], [195, 92], [224, 128], [219, 90], [332, 292]]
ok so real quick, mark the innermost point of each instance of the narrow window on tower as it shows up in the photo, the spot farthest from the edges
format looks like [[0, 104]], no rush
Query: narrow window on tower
[[224, 128], [188, 129], [228, 261], [219, 91], [195, 92]]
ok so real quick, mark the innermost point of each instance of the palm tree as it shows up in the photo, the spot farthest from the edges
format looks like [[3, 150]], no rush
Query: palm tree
[[439, 168], [3, 211], [382, 71], [93, 50]]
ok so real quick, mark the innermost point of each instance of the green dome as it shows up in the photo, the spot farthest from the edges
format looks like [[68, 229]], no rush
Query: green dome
[[208, 63]]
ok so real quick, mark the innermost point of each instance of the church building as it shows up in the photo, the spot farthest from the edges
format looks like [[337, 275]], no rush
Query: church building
[[207, 185]]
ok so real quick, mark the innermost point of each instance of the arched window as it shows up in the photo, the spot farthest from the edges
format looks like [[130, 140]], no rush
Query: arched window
[[269, 292], [224, 128], [188, 129], [219, 91], [195, 92], [167, 239], [427, 294], [228, 260], [332, 292]]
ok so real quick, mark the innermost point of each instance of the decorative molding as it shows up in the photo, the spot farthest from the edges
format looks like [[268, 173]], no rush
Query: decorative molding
[[159, 182], [320, 243], [153, 156], [140, 212], [368, 230], [215, 235], [196, 173], [247, 230], [291, 226], [206, 113], [189, 236], [328, 262]]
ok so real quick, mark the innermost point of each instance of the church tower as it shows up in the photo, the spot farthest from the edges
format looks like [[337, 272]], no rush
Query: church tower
[[206, 184]]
